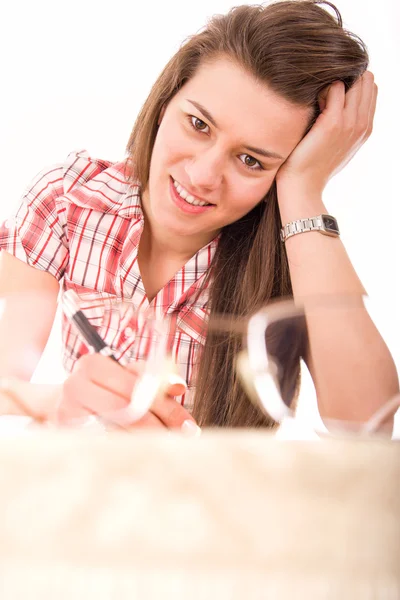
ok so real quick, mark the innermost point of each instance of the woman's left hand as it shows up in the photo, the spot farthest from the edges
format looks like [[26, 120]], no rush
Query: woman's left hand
[[342, 127]]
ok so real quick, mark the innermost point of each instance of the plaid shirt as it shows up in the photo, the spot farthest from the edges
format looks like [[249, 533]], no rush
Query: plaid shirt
[[82, 221]]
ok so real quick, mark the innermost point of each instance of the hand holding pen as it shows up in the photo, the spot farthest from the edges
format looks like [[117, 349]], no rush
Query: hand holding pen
[[72, 310], [120, 395]]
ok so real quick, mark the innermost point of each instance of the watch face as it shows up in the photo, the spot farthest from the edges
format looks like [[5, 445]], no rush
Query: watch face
[[330, 224]]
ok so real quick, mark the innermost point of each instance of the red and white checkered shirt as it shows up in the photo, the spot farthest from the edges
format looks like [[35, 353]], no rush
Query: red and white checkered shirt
[[82, 221]]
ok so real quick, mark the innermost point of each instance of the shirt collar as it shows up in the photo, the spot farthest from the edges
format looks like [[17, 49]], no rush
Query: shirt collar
[[101, 185]]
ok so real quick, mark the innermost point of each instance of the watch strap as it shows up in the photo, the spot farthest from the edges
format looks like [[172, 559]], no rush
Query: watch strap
[[325, 224]]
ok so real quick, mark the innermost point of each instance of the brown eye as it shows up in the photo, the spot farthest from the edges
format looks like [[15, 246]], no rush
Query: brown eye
[[198, 124], [250, 161]]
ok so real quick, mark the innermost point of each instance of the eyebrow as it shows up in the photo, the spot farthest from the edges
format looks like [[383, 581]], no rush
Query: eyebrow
[[209, 117]]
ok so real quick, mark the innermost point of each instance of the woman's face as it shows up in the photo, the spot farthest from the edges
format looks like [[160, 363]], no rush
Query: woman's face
[[220, 143]]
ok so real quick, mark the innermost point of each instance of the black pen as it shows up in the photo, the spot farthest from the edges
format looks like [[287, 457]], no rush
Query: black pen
[[71, 308]]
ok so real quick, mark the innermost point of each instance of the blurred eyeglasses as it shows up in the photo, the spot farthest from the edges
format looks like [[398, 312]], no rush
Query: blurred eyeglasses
[[276, 337]]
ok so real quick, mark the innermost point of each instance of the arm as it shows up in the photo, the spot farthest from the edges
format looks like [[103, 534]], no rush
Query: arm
[[37, 235], [352, 369], [33, 256], [97, 385], [28, 299]]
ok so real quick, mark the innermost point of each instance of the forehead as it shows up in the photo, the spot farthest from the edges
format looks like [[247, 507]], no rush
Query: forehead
[[244, 107]]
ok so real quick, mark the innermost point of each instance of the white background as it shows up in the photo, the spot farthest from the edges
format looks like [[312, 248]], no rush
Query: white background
[[74, 75]]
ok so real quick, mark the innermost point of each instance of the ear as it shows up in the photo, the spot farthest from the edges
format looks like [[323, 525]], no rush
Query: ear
[[160, 118]]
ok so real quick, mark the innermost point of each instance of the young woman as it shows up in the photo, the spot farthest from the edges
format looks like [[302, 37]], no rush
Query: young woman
[[238, 137]]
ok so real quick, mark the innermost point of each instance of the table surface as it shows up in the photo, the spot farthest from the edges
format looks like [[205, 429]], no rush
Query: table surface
[[153, 515]]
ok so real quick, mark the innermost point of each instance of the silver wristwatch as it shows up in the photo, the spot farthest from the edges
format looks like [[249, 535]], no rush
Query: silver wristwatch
[[325, 224]]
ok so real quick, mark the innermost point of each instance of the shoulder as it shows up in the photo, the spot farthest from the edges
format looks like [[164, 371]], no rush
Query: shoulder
[[98, 184], [79, 168], [85, 182], [59, 178]]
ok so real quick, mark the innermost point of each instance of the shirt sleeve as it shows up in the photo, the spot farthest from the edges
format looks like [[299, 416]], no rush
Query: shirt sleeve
[[37, 233]]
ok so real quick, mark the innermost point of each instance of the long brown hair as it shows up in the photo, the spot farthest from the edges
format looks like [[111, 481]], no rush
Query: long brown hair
[[296, 48]]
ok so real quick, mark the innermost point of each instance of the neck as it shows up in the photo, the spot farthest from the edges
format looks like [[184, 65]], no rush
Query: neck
[[156, 241]]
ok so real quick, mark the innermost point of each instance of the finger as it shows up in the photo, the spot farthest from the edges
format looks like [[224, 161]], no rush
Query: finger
[[322, 98], [107, 374], [172, 384], [335, 99], [170, 412], [69, 410], [365, 99], [372, 110], [149, 421], [143, 396], [81, 396], [175, 385], [121, 421], [176, 389], [137, 367], [353, 98]]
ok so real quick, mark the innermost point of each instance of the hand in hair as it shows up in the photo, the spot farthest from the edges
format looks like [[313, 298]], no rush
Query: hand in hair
[[102, 387], [344, 124]]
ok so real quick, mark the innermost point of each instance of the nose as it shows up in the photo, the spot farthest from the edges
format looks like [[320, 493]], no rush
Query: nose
[[205, 169]]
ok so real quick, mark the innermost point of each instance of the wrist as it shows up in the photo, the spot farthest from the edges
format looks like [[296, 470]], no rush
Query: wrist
[[325, 224], [305, 184], [299, 201]]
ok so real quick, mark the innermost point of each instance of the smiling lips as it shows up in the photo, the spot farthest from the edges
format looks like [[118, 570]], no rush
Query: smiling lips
[[185, 201], [188, 197]]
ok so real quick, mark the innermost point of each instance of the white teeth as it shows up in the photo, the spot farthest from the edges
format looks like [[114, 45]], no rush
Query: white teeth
[[188, 197], [183, 193]]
